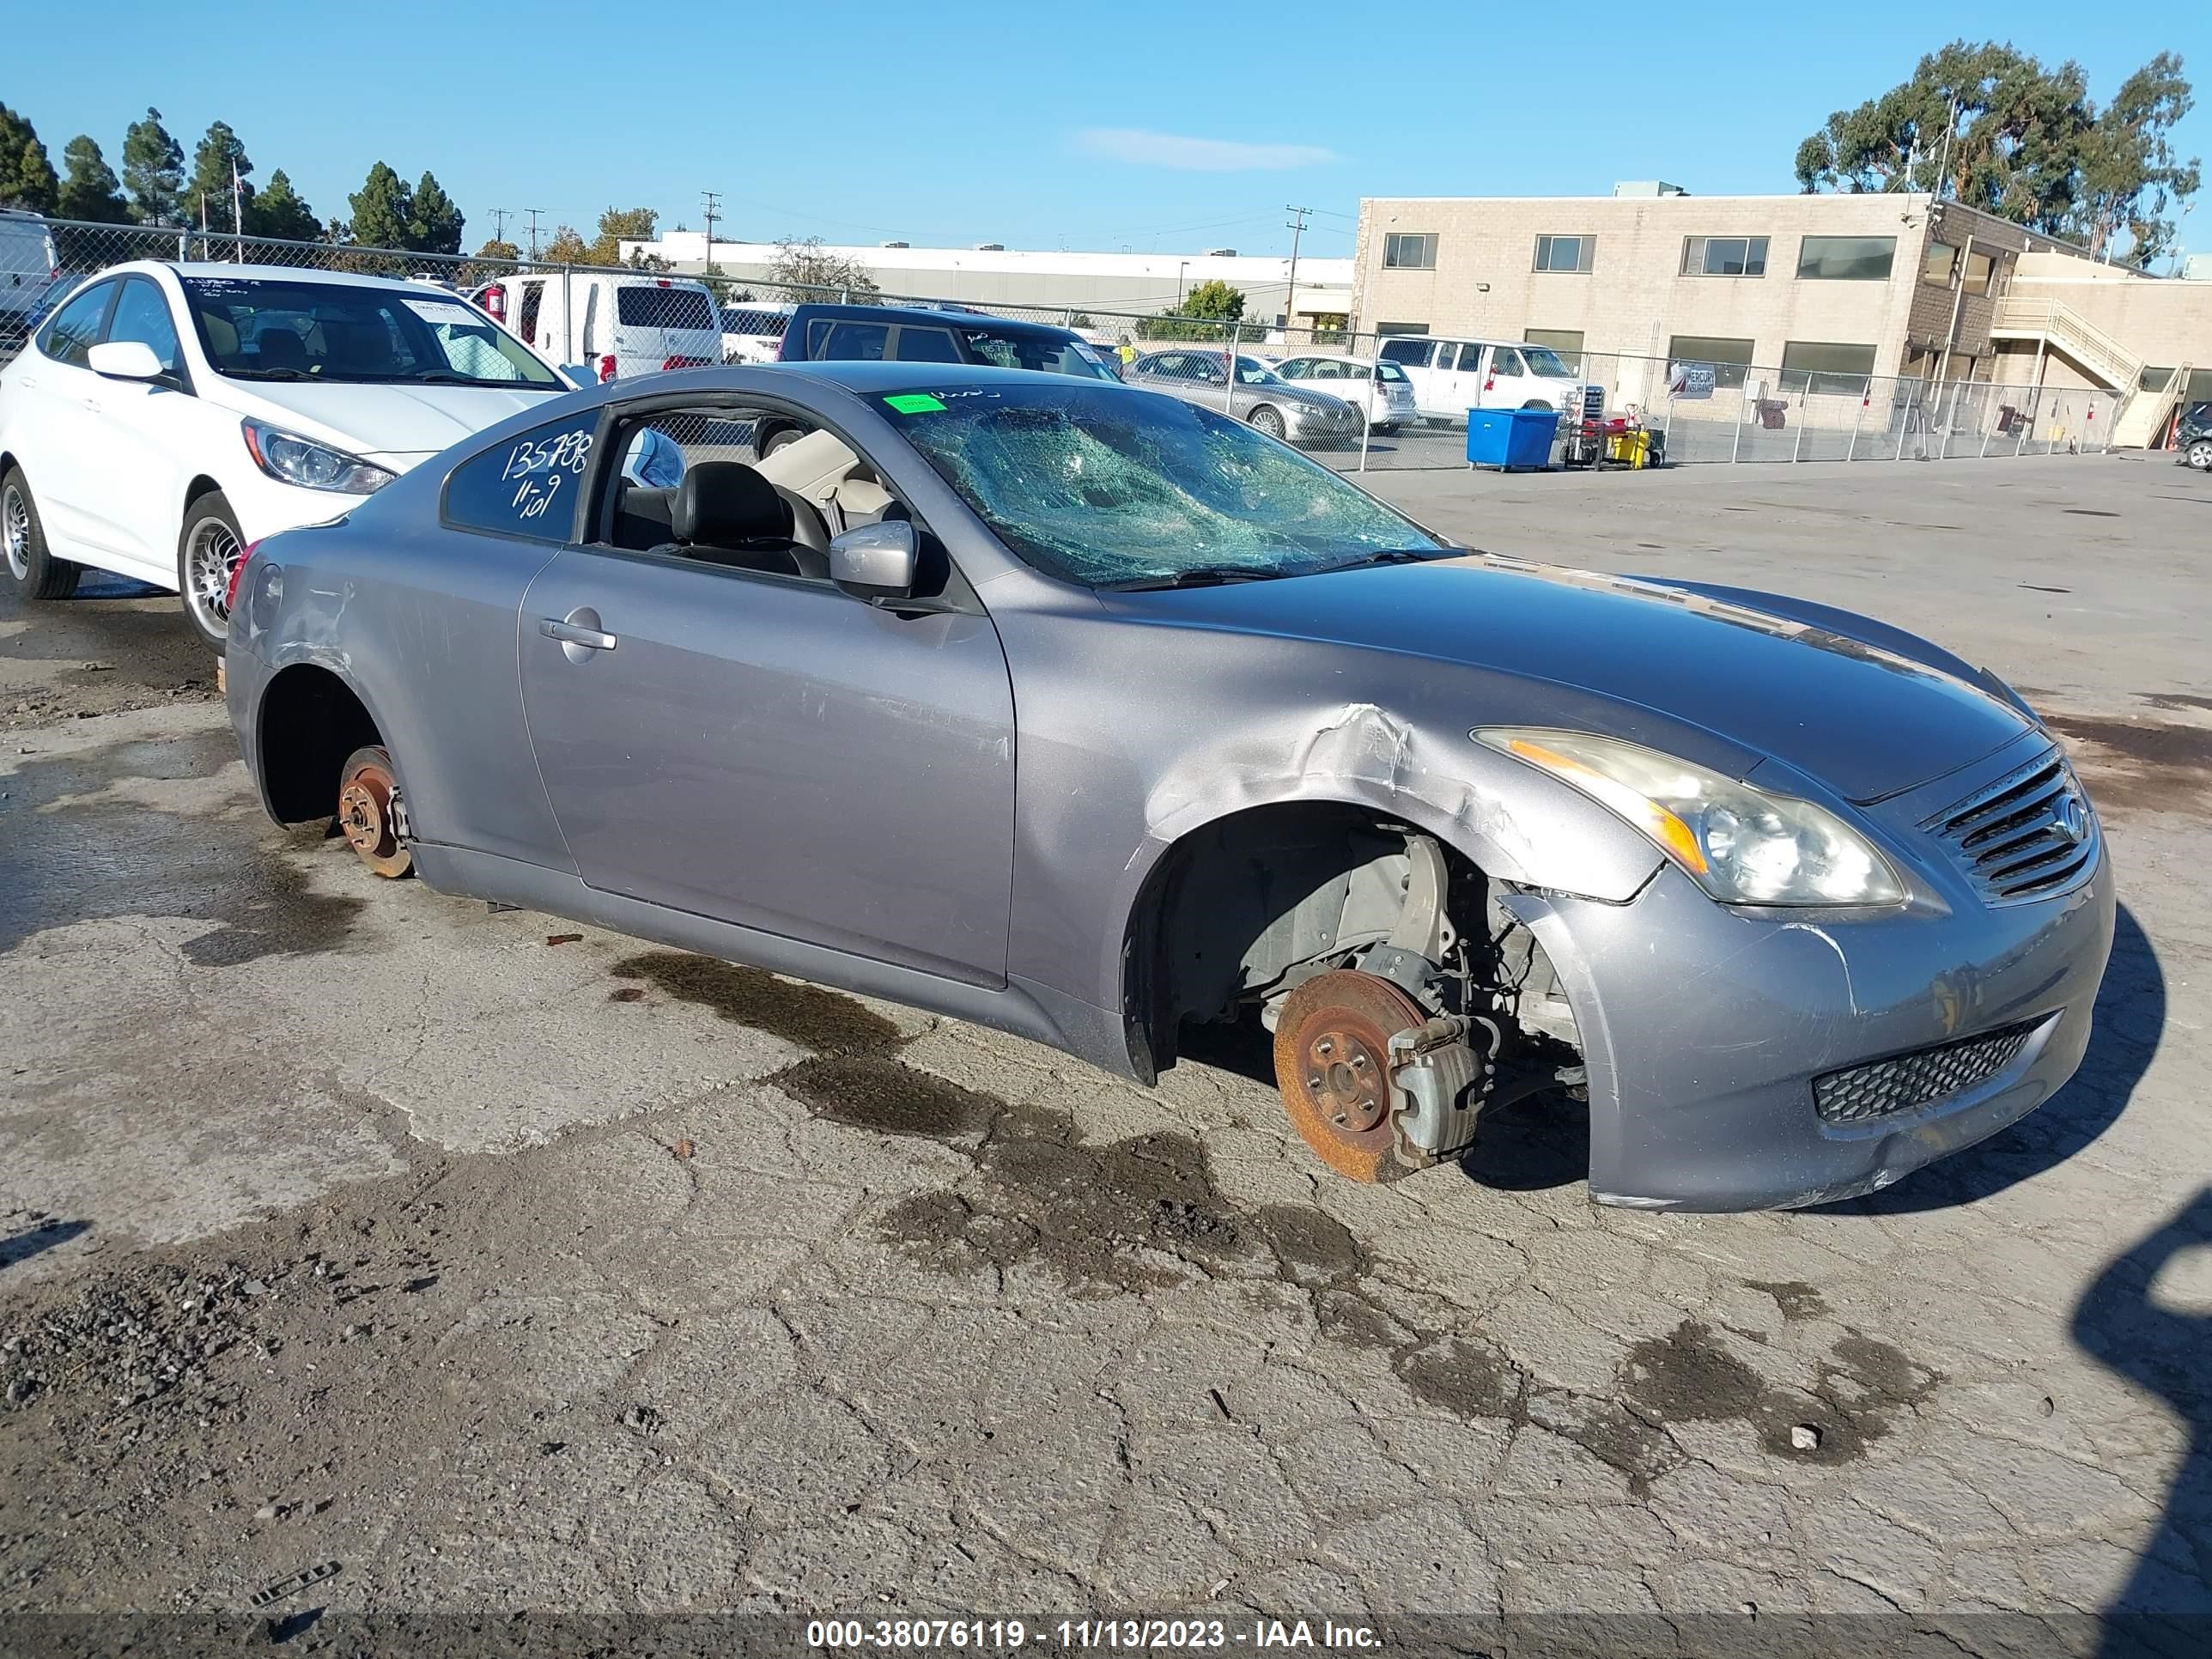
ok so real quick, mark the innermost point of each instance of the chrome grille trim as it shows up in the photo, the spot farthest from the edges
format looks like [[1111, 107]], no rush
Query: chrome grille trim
[[2012, 836]]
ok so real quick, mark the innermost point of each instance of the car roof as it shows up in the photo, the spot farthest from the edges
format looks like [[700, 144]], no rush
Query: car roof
[[926, 315], [223, 269], [856, 376]]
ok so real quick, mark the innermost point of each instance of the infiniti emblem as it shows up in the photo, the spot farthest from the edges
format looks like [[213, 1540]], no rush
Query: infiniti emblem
[[2069, 819]]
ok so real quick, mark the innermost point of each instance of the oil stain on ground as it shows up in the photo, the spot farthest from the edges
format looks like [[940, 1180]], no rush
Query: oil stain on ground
[[2142, 765], [1143, 1215], [828, 1022]]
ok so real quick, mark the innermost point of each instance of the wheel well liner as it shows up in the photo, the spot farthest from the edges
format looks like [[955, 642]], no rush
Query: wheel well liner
[[310, 721], [1241, 898]]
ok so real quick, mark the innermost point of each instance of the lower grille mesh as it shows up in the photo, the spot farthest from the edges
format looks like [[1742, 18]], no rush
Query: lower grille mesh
[[1903, 1083]]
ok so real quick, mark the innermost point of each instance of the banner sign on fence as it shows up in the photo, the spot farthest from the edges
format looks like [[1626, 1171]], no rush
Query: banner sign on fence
[[1690, 380]]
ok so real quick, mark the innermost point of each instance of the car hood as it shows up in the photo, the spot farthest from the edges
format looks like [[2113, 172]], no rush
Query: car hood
[[1865, 708], [395, 426]]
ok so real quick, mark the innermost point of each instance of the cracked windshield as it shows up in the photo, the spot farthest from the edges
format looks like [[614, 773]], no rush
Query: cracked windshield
[[1111, 490]]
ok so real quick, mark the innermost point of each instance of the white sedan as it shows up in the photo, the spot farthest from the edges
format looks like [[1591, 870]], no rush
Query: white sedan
[[166, 417], [1388, 402]]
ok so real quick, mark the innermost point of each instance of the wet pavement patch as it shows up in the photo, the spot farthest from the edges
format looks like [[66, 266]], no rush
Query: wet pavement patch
[[86, 856], [875, 1092], [1796, 1299], [828, 1022], [1689, 1376]]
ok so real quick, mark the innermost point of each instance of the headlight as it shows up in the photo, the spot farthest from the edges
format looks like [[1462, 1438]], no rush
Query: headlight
[[1742, 845], [289, 458]]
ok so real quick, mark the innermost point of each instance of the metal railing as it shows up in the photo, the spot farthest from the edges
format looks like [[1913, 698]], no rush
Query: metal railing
[[1695, 413]]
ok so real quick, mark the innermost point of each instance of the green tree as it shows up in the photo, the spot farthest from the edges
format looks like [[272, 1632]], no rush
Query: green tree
[[2131, 178], [279, 211], [1203, 315], [210, 180], [383, 210], [88, 188], [153, 171], [1998, 130], [434, 222], [496, 249], [27, 176], [824, 275], [617, 226], [566, 247]]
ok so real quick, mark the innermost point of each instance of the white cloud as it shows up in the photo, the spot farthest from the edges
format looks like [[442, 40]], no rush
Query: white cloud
[[1167, 149]]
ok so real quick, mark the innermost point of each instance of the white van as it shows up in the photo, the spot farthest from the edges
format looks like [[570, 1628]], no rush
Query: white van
[[615, 326], [752, 330], [1450, 377], [27, 270]]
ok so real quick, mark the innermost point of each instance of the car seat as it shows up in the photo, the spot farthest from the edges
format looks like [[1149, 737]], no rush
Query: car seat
[[725, 512]]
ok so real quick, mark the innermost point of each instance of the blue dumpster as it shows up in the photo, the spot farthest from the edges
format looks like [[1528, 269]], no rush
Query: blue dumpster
[[1510, 437]]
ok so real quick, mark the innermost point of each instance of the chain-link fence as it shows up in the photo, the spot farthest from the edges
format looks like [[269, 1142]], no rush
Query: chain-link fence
[[1354, 400]]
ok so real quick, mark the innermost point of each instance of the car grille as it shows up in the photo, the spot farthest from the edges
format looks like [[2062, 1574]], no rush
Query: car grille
[[2028, 836], [1904, 1083]]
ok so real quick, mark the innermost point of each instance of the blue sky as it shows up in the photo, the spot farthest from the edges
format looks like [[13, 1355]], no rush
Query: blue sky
[[1136, 124]]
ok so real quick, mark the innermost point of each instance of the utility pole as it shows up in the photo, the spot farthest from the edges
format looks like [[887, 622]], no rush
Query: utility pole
[[499, 218], [533, 213], [711, 204], [1297, 226], [1943, 163]]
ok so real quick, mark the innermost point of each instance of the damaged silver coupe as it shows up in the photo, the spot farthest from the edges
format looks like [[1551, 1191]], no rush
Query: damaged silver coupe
[[1094, 715]]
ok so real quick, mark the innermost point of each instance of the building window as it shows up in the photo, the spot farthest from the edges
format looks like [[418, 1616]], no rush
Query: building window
[[1980, 268], [1565, 252], [1567, 342], [1403, 250], [1823, 369], [1729, 358], [1401, 328], [1936, 267], [1724, 256], [1846, 258]]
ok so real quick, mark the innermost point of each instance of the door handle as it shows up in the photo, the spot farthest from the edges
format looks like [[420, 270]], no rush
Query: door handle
[[568, 633]]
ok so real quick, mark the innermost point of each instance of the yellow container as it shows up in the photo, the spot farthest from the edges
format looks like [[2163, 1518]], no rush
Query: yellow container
[[1629, 448]]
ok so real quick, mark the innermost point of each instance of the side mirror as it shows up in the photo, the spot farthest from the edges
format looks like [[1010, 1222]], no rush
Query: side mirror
[[126, 360], [582, 376], [877, 560]]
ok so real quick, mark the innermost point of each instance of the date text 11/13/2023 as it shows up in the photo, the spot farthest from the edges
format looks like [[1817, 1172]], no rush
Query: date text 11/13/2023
[[855, 1635]]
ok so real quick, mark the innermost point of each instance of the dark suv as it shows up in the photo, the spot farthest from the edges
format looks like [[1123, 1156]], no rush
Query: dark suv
[[2192, 437], [921, 334], [897, 334]]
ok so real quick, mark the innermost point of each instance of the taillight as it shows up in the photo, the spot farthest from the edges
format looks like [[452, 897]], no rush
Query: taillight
[[230, 591], [683, 362], [606, 368]]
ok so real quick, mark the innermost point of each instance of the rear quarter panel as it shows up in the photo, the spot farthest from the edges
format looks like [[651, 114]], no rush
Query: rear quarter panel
[[421, 623]]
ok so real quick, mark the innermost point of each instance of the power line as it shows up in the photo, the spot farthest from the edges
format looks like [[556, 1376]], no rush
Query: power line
[[533, 213]]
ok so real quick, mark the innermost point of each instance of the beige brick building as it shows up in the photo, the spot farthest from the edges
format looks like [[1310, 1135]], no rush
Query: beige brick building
[[1787, 290]]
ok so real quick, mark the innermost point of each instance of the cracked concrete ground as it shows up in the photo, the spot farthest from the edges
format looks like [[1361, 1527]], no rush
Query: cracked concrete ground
[[346, 1222]]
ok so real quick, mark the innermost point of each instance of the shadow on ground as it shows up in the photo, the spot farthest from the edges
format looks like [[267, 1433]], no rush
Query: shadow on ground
[[2166, 1350]]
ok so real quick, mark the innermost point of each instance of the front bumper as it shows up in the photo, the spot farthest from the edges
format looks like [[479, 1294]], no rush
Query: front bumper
[[1704, 1028]]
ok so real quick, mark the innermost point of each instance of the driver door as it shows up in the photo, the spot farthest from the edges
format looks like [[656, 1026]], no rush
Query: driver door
[[758, 746]]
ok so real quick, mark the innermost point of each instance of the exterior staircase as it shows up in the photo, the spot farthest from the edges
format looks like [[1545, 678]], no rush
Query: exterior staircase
[[2143, 420], [2091, 350]]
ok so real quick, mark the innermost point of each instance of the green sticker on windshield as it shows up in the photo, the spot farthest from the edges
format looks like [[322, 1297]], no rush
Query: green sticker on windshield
[[915, 403]]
